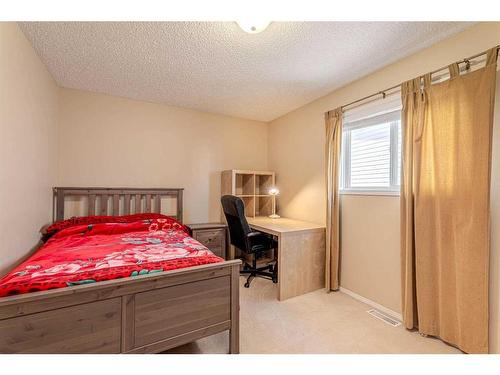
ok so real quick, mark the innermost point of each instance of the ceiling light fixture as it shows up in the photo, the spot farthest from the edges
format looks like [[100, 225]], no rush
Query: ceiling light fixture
[[253, 27]]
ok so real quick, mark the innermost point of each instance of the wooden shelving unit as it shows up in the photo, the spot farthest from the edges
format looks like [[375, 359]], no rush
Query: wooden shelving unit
[[252, 187]]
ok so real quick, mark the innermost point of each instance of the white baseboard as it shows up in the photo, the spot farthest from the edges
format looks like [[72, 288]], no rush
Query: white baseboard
[[373, 304]]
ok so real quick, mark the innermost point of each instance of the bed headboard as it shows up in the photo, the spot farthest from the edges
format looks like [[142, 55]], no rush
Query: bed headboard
[[117, 201]]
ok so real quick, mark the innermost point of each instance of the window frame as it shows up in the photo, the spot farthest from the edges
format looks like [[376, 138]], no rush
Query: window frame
[[345, 163]]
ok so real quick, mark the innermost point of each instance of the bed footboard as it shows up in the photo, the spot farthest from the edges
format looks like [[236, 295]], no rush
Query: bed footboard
[[142, 314]]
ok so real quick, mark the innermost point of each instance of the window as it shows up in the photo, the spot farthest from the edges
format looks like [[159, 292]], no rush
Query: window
[[371, 154]]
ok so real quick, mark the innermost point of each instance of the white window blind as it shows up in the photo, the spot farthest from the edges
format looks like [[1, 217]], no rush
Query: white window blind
[[371, 149]]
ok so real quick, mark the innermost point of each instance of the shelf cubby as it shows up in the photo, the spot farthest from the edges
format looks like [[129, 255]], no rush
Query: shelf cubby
[[263, 182], [244, 184], [264, 205], [249, 206]]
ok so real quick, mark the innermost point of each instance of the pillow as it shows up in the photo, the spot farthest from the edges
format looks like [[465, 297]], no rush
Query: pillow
[[63, 224]]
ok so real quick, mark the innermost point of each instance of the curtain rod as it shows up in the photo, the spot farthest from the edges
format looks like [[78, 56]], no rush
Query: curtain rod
[[465, 61]]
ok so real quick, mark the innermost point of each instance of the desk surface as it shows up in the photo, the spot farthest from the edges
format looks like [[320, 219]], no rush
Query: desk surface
[[281, 225]]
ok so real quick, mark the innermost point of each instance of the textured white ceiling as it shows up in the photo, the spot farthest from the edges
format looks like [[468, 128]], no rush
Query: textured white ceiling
[[216, 67]]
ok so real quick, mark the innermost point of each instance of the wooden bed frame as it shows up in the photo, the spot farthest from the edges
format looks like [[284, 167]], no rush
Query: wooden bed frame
[[141, 314]]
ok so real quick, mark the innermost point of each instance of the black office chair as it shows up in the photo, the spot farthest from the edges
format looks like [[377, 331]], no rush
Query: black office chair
[[248, 241]]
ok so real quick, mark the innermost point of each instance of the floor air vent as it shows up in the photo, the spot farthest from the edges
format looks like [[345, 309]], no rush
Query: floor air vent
[[384, 317]]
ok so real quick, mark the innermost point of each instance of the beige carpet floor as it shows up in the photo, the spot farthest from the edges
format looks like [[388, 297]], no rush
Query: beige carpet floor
[[313, 323]]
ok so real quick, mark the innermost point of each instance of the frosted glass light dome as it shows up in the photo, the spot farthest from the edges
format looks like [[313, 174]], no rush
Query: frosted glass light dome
[[253, 27]]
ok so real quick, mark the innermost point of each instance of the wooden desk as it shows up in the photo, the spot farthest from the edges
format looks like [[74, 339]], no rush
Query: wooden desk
[[301, 254]]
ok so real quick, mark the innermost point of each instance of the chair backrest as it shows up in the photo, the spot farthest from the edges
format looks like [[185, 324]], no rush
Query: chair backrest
[[234, 210]]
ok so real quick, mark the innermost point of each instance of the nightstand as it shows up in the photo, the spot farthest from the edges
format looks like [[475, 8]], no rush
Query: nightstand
[[212, 235]]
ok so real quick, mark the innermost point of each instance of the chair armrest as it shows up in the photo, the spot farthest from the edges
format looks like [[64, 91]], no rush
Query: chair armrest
[[257, 237], [254, 234]]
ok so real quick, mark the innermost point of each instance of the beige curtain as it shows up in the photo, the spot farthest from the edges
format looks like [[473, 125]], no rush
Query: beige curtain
[[445, 230], [333, 120]]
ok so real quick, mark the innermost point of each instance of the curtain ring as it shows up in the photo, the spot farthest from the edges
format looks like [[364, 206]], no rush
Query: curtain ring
[[467, 64]]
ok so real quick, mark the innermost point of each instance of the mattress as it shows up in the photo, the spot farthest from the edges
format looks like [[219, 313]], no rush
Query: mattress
[[92, 249]]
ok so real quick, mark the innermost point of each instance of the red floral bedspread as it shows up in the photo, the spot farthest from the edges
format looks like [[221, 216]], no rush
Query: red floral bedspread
[[97, 251]]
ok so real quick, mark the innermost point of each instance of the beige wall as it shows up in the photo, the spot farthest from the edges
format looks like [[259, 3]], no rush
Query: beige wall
[[28, 145], [370, 225], [116, 142], [370, 261]]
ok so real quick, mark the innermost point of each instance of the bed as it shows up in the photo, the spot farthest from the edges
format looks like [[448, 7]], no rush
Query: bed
[[123, 278]]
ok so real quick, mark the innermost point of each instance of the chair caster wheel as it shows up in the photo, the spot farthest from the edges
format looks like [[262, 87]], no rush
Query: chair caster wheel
[[275, 280], [247, 285]]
